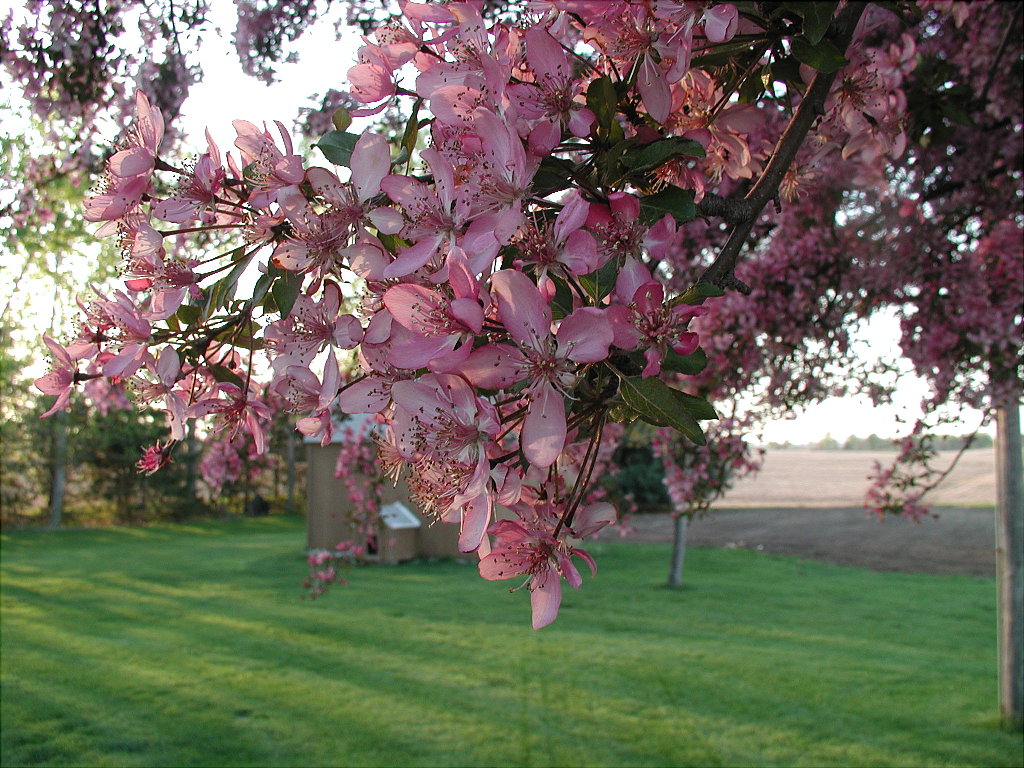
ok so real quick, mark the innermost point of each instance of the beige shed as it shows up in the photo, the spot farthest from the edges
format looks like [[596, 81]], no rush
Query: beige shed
[[404, 534]]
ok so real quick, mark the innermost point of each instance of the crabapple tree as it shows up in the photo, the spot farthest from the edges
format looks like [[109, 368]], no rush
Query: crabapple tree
[[567, 232]]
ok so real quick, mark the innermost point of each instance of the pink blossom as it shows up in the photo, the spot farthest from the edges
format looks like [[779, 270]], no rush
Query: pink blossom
[[444, 430], [553, 94], [236, 411], [61, 379], [197, 194], [370, 163], [438, 323], [546, 361], [268, 168], [531, 550], [565, 247], [167, 370], [310, 327], [155, 458], [641, 318]]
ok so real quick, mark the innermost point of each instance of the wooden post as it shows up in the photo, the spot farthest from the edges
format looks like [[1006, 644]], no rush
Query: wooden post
[[1009, 573], [675, 571]]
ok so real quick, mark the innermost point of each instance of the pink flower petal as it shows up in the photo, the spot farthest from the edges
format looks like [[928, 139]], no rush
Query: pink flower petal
[[592, 518], [131, 162], [412, 258], [585, 335], [544, 429], [522, 309], [494, 366], [371, 162], [476, 515], [545, 597], [720, 22], [654, 90]]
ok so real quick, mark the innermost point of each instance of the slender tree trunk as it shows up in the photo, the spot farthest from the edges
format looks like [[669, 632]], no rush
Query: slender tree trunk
[[1009, 573], [59, 470], [675, 571], [59, 444], [245, 484], [191, 461], [290, 447]]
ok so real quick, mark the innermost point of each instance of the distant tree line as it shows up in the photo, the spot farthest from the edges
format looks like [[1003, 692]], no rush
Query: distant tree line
[[875, 443]]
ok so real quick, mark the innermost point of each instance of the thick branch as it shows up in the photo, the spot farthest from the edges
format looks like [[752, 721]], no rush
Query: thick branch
[[727, 208], [1010, 32], [720, 273]]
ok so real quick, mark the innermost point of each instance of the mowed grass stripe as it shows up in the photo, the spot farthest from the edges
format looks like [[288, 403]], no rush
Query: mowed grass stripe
[[189, 646]]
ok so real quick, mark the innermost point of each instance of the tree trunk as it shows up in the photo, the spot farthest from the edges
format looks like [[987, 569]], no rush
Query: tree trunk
[[245, 483], [675, 571], [191, 461], [1009, 573], [59, 470], [290, 508]]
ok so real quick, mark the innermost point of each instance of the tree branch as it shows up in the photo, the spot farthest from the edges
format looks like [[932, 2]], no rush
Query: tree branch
[[727, 208], [720, 272]]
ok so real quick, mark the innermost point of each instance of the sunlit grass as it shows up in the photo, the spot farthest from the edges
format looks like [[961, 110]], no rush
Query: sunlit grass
[[189, 645]]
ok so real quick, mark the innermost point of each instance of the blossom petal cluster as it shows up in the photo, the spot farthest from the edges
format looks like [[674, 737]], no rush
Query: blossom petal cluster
[[492, 284]]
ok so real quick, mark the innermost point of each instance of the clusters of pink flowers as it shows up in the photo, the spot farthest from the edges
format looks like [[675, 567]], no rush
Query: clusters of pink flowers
[[695, 478], [500, 288], [327, 567], [357, 467]]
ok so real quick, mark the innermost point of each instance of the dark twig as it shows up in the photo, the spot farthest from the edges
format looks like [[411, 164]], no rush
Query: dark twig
[[720, 272]]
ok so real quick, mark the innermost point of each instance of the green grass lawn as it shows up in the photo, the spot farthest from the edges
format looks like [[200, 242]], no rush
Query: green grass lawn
[[189, 645]]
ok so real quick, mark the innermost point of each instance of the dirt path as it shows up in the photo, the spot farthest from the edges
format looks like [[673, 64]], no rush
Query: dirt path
[[960, 540]]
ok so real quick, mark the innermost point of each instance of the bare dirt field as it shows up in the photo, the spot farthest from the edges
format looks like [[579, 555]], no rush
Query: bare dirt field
[[807, 504], [805, 478]]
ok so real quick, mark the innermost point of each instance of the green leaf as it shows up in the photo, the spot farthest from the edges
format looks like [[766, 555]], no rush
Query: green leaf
[[696, 406], [656, 404], [609, 165], [824, 56], [341, 119], [225, 374], [816, 18], [601, 282], [753, 87], [720, 55], [412, 128], [616, 133], [337, 146], [393, 243], [678, 202], [603, 102], [188, 314], [787, 70], [690, 364], [561, 305], [622, 413], [222, 292], [656, 153], [549, 179], [286, 290], [218, 295], [261, 289], [696, 294]]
